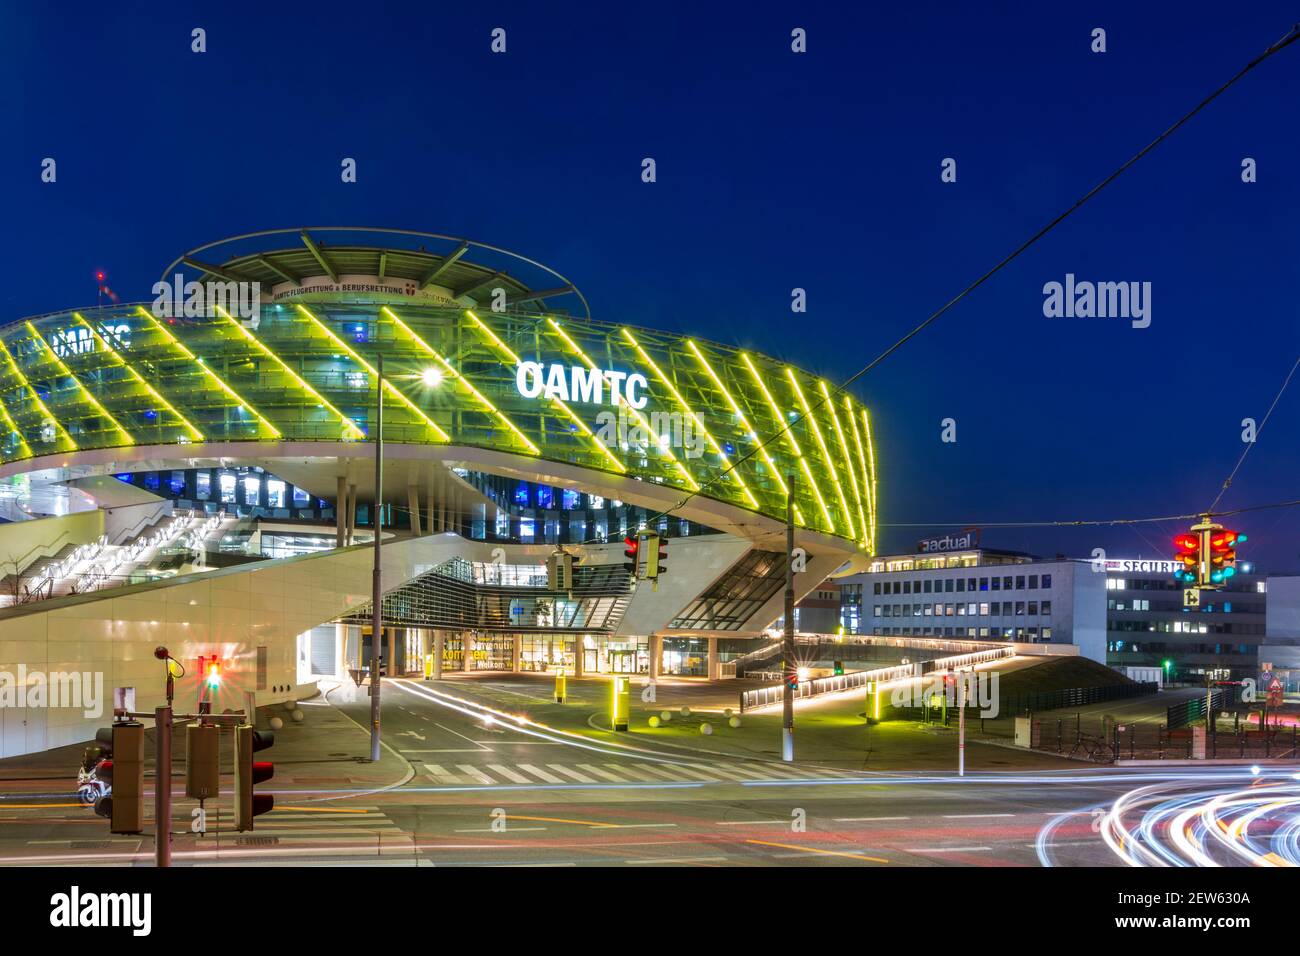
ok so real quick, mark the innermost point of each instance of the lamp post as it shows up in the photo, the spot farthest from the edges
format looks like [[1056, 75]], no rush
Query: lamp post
[[377, 614], [787, 644]]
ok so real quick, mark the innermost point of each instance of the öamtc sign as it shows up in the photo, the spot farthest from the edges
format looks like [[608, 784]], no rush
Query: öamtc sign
[[969, 538], [575, 383]]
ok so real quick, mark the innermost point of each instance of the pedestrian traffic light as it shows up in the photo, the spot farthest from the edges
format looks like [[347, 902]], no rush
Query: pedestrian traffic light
[[559, 570], [249, 772], [656, 557], [202, 761], [212, 673], [792, 678], [127, 810], [838, 668], [632, 553]]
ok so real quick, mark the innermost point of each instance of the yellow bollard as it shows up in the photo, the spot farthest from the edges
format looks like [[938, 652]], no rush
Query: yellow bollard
[[561, 689]]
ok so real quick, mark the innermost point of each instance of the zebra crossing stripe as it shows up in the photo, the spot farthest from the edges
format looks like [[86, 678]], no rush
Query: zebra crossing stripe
[[728, 773], [475, 774], [694, 772], [605, 774], [636, 775], [440, 774], [663, 772], [508, 773], [580, 777], [538, 772]]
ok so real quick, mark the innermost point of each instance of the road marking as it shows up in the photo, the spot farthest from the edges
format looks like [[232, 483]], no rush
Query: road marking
[[581, 823], [568, 772], [461, 736], [605, 774], [809, 849], [696, 772], [638, 826], [634, 774], [538, 772], [717, 772], [866, 819], [748, 823], [508, 773], [491, 830], [949, 849], [661, 772], [662, 861], [767, 773], [440, 774], [974, 816], [474, 773]]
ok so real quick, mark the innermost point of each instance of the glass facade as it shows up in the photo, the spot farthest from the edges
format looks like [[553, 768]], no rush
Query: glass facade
[[539, 386]]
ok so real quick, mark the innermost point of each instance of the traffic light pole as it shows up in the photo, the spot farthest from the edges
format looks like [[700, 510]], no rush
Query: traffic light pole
[[377, 616], [787, 644], [162, 787]]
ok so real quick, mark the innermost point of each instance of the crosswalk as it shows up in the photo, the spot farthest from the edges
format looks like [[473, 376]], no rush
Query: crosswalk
[[601, 774]]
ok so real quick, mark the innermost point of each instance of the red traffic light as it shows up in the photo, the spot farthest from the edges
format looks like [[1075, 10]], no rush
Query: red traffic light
[[1187, 543]]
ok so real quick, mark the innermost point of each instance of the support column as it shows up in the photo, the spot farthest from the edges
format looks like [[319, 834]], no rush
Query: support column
[[518, 653], [656, 655], [391, 633], [467, 651], [577, 655], [341, 513], [413, 502], [352, 513], [439, 641], [431, 512], [714, 669], [341, 650], [443, 512]]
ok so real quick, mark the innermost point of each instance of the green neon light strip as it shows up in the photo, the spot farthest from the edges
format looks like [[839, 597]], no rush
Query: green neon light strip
[[516, 360], [58, 426], [460, 376], [85, 392], [140, 380], [726, 462], [180, 346], [374, 373]]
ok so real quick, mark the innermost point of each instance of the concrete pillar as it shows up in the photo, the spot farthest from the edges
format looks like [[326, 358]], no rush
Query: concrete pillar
[[577, 655], [340, 650], [518, 653], [656, 654], [352, 513], [439, 640], [467, 651], [393, 634], [431, 513], [413, 502], [714, 668], [442, 510], [341, 513]]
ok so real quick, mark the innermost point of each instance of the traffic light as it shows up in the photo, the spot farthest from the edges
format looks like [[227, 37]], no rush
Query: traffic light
[[656, 557], [212, 673], [632, 552], [1187, 557], [791, 677], [202, 761], [559, 570], [249, 772], [1223, 554], [838, 668], [127, 810]]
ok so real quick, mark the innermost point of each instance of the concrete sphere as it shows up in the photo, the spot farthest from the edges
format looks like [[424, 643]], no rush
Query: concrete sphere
[[727, 712], [665, 715], [654, 721], [290, 705], [298, 716], [706, 729], [276, 723], [685, 711], [733, 722]]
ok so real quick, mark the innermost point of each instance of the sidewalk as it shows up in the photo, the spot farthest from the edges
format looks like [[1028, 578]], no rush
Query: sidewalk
[[830, 732]]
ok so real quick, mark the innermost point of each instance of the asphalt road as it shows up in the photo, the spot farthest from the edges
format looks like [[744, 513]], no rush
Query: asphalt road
[[482, 790]]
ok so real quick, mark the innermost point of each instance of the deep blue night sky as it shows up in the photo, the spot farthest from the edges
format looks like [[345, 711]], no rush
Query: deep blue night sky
[[775, 170]]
